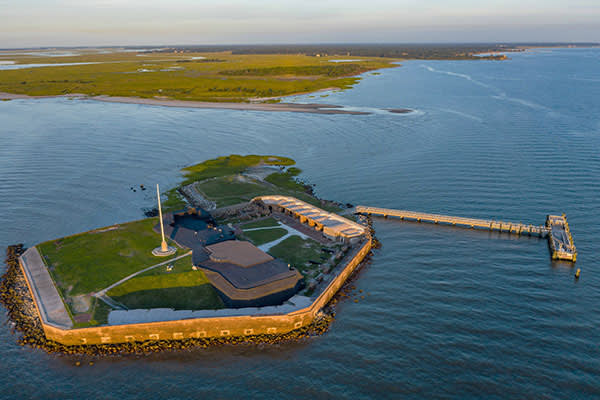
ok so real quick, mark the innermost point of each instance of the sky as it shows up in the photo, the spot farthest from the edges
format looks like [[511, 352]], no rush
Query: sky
[[33, 23]]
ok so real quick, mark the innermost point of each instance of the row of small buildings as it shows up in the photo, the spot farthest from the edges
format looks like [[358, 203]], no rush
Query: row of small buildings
[[333, 226]]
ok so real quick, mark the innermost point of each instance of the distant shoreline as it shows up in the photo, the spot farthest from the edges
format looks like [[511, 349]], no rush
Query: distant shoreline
[[280, 107], [524, 48]]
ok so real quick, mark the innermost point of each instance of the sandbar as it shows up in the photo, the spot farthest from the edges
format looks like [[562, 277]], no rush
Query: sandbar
[[281, 107], [400, 110]]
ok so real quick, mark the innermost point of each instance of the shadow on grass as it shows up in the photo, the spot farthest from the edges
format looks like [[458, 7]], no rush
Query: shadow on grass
[[200, 297]]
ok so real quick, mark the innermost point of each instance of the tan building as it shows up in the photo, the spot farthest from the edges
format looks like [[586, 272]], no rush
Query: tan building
[[333, 226], [245, 276]]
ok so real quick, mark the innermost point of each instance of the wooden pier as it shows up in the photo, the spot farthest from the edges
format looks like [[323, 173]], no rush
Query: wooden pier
[[556, 228], [560, 240], [473, 223]]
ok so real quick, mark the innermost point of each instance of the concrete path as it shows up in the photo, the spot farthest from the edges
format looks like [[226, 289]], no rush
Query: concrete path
[[103, 291], [291, 232], [263, 228], [46, 295]]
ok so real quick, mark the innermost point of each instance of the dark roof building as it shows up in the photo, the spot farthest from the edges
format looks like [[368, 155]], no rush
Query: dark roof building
[[245, 276]]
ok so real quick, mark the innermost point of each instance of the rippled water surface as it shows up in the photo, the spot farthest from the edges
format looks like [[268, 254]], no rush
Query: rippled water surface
[[447, 312]]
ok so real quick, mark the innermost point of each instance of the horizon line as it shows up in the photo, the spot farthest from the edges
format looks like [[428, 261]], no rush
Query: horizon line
[[424, 43]]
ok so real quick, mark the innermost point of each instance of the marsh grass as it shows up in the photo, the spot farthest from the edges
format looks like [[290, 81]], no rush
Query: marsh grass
[[221, 77]]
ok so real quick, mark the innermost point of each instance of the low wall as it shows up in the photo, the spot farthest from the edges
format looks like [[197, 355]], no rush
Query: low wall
[[208, 327]]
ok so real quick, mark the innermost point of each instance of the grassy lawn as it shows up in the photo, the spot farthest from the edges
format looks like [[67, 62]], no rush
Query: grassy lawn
[[298, 252], [221, 76], [157, 278], [229, 190], [265, 235], [182, 265], [261, 223], [91, 261], [180, 288], [159, 281]]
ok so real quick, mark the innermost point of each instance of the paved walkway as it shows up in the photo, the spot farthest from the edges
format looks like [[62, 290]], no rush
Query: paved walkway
[[46, 295]]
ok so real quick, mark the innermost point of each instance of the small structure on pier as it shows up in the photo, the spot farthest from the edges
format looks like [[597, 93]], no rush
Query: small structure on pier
[[560, 239]]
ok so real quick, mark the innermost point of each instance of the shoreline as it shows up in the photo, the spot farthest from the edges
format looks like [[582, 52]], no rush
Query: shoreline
[[277, 107], [525, 48]]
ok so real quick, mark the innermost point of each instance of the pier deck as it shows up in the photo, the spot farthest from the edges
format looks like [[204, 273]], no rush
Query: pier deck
[[500, 226], [556, 228]]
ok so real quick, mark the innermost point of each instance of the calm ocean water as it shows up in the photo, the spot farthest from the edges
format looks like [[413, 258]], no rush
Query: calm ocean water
[[447, 313]]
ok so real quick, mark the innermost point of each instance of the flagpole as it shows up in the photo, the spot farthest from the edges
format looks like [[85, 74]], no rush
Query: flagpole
[[164, 249], [163, 244]]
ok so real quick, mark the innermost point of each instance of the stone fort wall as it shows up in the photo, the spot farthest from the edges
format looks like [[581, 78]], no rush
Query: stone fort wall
[[207, 327]]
